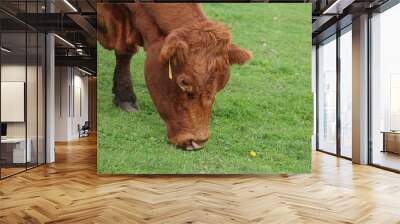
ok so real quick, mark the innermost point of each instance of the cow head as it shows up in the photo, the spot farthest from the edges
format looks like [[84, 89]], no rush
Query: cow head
[[200, 57]]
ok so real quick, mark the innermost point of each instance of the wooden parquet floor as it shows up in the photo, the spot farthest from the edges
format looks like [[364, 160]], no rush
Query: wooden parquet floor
[[70, 191]]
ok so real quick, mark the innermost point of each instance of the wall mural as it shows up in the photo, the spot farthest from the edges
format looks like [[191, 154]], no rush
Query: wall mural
[[210, 88]]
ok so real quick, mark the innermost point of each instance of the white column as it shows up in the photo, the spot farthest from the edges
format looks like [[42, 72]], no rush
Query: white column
[[50, 110], [360, 90], [314, 91], [50, 93]]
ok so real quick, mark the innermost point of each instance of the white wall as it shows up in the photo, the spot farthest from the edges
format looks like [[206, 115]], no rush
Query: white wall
[[80, 89], [62, 81], [70, 83]]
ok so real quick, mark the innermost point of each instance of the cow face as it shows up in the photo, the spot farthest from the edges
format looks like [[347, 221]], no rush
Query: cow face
[[194, 67]]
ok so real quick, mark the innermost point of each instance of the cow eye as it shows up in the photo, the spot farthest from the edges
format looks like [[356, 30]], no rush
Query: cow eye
[[184, 83]]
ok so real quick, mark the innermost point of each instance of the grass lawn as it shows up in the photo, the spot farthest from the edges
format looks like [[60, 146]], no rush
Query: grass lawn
[[266, 106]]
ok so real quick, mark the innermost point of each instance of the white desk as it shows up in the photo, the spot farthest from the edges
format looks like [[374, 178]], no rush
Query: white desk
[[19, 149], [391, 141]]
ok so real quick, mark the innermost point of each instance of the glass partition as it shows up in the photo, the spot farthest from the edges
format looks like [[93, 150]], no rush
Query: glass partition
[[346, 92], [15, 150], [22, 101], [327, 95], [385, 89]]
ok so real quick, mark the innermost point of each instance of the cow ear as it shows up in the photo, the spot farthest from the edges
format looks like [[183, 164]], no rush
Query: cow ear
[[174, 48], [238, 55]]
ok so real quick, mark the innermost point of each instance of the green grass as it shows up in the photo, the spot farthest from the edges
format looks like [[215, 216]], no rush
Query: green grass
[[266, 106]]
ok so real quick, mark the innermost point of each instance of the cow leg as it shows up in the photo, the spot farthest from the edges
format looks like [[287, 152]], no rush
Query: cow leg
[[124, 97]]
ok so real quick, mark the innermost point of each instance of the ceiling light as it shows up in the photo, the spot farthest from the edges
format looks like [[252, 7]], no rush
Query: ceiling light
[[338, 6], [5, 50], [331, 7], [80, 51], [84, 71], [70, 5], [64, 40]]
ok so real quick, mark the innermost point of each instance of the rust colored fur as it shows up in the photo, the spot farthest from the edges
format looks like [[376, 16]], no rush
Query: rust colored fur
[[116, 30], [199, 51]]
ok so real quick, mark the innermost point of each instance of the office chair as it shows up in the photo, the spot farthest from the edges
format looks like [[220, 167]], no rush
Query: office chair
[[84, 130]]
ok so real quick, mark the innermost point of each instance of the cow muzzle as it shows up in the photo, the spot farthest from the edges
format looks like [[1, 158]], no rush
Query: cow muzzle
[[191, 144], [188, 140]]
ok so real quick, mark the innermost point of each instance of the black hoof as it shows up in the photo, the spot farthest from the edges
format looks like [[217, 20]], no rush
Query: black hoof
[[126, 106]]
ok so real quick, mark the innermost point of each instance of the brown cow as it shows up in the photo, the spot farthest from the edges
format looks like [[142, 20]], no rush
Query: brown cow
[[188, 58]]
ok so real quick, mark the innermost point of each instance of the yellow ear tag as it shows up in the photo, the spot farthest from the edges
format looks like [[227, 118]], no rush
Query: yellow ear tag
[[169, 70]]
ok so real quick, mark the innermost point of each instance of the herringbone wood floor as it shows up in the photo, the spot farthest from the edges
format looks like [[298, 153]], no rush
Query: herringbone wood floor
[[70, 191]]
